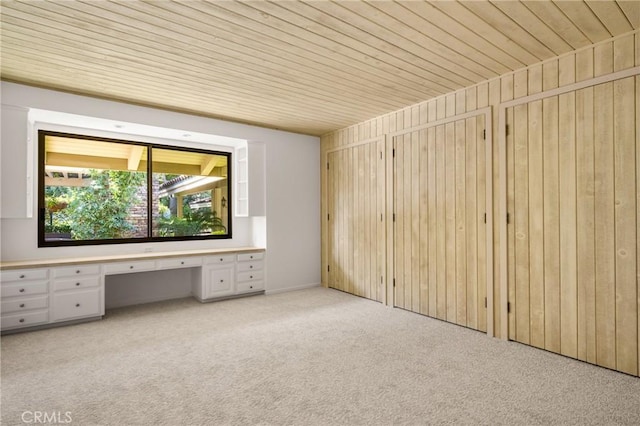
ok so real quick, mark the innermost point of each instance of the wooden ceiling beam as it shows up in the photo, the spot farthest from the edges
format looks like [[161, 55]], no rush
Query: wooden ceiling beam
[[208, 164], [135, 155]]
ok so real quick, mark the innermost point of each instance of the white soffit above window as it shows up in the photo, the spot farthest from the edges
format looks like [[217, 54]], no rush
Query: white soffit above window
[[122, 129]]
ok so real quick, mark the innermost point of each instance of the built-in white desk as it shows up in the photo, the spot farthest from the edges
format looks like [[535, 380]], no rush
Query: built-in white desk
[[37, 293]]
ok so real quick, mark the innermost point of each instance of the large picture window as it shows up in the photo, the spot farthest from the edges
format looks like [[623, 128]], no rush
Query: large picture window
[[96, 191]]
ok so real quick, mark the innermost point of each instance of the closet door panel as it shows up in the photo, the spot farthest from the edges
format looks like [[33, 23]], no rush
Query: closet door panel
[[439, 244], [356, 194], [356, 199], [575, 205]]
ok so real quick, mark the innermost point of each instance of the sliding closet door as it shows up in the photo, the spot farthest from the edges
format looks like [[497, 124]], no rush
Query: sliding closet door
[[573, 169], [439, 229], [356, 233]]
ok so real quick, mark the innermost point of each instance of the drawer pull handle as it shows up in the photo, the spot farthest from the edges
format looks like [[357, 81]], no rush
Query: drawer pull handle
[[21, 319], [22, 305], [22, 276], [77, 305], [77, 284], [77, 271], [22, 290]]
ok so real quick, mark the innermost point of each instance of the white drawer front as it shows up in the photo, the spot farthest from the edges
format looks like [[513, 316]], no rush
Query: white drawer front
[[26, 289], [244, 257], [76, 304], [23, 275], [74, 271], [24, 320], [249, 286], [126, 267], [80, 282], [180, 262], [220, 259], [24, 304], [249, 266], [250, 276]]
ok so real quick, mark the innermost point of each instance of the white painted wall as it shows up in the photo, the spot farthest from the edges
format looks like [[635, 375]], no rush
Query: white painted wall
[[291, 185]]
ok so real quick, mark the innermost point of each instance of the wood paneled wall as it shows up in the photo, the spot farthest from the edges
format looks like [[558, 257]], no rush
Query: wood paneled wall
[[604, 58]]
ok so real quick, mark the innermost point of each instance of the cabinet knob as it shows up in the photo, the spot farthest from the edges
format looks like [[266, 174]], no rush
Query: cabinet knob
[[131, 267], [250, 257], [250, 286], [250, 266], [182, 262], [22, 276], [77, 284], [221, 281], [22, 290], [221, 259], [22, 305], [77, 271], [250, 276], [21, 319], [77, 305]]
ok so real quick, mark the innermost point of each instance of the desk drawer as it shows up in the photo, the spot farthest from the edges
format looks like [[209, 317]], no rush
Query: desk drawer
[[80, 282], [26, 289], [220, 259], [180, 262], [244, 257], [24, 320], [74, 271], [249, 266], [23, 275], [76, 304], [127, 267], [250, 286], [250, 276], [24, 304]]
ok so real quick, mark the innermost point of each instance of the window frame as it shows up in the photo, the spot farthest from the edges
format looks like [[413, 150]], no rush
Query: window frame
[[42, 242]]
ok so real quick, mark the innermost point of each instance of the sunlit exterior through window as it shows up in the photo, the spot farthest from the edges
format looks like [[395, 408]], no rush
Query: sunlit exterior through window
[[96, 191]]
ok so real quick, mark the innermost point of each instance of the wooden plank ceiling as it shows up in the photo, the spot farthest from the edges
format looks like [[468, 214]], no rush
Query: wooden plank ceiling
[[307, 67]]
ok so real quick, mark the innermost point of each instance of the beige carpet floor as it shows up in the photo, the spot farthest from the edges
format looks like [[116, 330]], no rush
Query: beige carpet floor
[[311, 357]]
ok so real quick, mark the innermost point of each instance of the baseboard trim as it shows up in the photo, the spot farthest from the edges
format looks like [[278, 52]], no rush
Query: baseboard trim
[[288, 289]]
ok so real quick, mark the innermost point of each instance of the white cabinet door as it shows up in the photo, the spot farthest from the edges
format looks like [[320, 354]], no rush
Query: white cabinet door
[[219, 282], [77, 304]]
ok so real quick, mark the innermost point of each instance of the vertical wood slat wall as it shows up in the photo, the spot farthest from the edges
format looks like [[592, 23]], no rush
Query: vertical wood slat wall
[[601, 59]]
